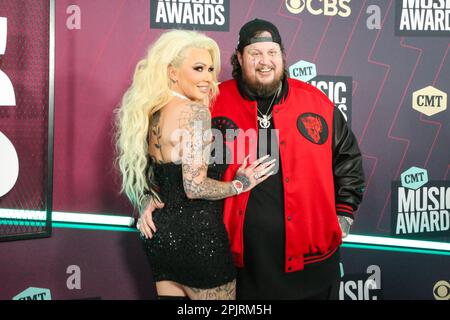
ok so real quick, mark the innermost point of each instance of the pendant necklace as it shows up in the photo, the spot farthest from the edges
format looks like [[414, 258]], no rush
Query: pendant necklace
[[264, 120]]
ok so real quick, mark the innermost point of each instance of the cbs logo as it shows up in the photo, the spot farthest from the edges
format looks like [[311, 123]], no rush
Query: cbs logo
[[318, 7], [441, 290]]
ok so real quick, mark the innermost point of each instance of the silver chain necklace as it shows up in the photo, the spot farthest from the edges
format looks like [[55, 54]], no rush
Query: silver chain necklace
[[264, 120]]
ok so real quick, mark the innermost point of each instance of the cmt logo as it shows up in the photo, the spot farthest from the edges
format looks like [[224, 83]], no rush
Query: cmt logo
[[34, 294], [303, 70], [429, 101], [320, 7], [414, 178], [441, 290]]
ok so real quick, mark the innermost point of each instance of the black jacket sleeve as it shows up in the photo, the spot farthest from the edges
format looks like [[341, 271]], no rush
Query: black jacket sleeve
[[347, 167]]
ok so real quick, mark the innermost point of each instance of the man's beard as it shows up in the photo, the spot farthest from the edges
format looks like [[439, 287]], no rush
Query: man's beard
[[259, 89]]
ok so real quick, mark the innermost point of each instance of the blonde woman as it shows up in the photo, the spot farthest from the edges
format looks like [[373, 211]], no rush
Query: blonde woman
[[162, 121]]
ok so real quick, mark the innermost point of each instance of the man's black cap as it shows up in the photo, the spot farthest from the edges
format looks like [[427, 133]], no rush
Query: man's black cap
[[248, 31]]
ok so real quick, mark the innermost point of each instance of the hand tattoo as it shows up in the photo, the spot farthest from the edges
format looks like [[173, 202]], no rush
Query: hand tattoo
[[345, 225], [245, 181]]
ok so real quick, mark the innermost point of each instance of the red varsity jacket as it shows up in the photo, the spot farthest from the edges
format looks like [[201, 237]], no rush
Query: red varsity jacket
[[307, 137]]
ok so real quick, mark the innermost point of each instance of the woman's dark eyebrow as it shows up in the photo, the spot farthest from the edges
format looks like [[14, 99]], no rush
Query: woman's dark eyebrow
[[197, 64]]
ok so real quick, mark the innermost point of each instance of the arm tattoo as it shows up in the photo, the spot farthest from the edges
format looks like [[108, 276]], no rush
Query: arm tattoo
[[208, 189], [196, 120]]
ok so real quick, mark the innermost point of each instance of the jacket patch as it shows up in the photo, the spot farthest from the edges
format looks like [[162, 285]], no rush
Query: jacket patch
[[313, 127], [227, 127]]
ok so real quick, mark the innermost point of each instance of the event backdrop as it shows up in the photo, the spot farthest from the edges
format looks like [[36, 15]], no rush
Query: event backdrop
[[25, 185], [384, 63], [350, 51]]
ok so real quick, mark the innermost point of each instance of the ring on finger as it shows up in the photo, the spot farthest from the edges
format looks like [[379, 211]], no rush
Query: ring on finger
[[256, 176]]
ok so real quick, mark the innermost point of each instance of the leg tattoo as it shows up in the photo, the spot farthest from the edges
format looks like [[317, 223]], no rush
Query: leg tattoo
[[224, 292]]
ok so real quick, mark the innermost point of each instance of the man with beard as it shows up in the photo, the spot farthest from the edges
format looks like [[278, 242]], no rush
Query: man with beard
[[285, 233]]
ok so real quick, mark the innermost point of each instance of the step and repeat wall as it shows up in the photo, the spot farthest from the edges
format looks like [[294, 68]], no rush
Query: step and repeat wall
[[24, 118], [385, 64]]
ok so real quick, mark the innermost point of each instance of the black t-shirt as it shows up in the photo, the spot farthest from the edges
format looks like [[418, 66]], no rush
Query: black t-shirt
[[263, 276]]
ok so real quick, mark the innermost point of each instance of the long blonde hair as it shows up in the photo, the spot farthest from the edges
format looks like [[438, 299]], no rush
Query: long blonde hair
[[148, 93]]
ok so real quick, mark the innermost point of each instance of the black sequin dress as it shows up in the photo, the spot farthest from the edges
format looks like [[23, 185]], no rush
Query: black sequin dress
[[191, 245]]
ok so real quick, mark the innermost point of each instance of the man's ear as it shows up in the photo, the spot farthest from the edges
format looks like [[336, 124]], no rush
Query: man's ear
[[239, 56]]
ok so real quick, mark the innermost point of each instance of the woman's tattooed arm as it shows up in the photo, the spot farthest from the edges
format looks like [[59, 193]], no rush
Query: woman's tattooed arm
[[195, 120]]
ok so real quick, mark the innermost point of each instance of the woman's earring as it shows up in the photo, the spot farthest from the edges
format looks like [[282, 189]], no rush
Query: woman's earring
[[173, 81]]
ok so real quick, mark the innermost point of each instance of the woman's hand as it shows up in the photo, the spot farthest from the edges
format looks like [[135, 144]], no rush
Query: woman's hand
[[145, 223]]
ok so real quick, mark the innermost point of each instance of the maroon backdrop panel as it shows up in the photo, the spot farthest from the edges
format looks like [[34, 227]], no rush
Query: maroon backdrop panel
[[26, 64], [109, 265]]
